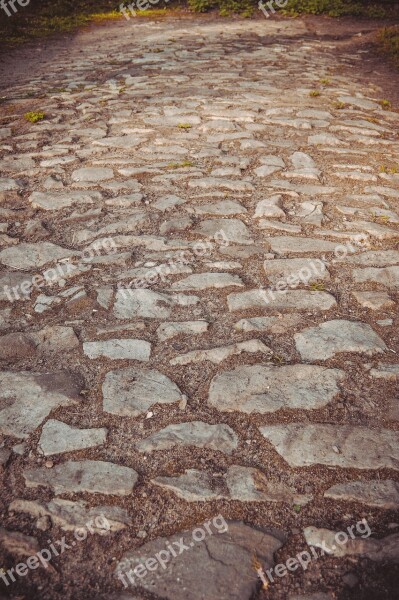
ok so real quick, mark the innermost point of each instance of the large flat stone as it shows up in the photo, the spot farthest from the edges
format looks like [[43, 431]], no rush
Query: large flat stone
[[375, 258], [299, 245], [195, 433], [27, 398], [226, 559], [296, 270], [217, 355], [33, 256], [269, 299], [377, 493], [193, 486], [174, 328], [306, 444], [58, 437], [203, 281], [131, 303], [388, 276], [268, 388], [118, 349], [91, 476], [333, 337], [59, 200], [234, 230], [131, 392]]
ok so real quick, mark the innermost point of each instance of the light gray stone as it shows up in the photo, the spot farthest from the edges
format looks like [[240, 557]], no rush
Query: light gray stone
[[193, 486], [374, 300], [284, 300], [32, 256], [203, 281], [385, 371], [195, 433], [131, 392], [131, 303], [388, 276], [12, 287], [377, 493], [132, 349], [225, 207], [55, 338], [332, 337], [58, 437], [375, 258], [27, 398], [228, 230], [233, 185], [306, 444], [174, 328], [300, 245], [70, 515], [296, 270], [91, 476], [268, 388], [226, 557], [59, 200], [217, 355], [270, 207], [92, 174]]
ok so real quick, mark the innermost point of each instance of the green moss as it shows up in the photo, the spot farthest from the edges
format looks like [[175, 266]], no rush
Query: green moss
[[34, 117]]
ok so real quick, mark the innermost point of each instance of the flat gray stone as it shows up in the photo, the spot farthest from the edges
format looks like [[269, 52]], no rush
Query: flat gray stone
[[226, 559], [174, 328], [193, 486], [195, 433], [70, 515], [55, 338], [385, 371], [270, 207], [168, 202], [374, 300], [203, 281], [347, 446], [124, 141], [269, 299], [359, 102], [375, 258], [59, 200], [377, 493], [118, 349], [15, 286], [131, 303], [388, 276], [58, 437], [92, 174], [274, 324], [27, 398], [296, 270], [131, 392], [332, 337], [225, 207], [91, 476], [7, 184], [384, 550], [299, 245], [210, 183], [234, 230], [32, 256], [217, 355], [268, 388]]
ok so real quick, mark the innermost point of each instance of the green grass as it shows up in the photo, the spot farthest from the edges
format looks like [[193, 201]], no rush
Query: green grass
[[388, 40]]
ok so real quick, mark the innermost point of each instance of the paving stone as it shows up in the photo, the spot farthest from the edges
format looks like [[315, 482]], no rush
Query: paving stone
[[298, 245], [280, 300], [91, 476], [168, 202], [251, 485], [233, 230], [131, 392], [229, 579], [58, 437], [332, 337], [382, 550], [388, 276], [131, 303], [70, 515], [7, 184], [268, 388], [203, 281], [193, 486], [59, 200], [55, 338], [377, 493], [16, 346], [225, 207], [27, 398], [195, 433], [269, 207], [296, 270], [92, 174], [132, 349], [374, 300], [218, 355], [233, 185], [17, 543], [375, 258], [306, 444], [32, 256], [303, 167], [385, 371], [276, 325], [278, 226], [359, 102], [174, 328]]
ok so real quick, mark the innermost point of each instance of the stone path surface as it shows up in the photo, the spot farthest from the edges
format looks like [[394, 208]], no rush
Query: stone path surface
[[199, 277]]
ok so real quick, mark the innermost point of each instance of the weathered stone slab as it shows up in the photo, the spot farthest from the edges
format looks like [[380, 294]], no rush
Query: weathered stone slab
[[27, 398], [58, 437], [225, 230], [284, 300], [195, 433], [348, 446], [31, 256], [225, 207], [174, 328], [72, 515], [203, 281], [15, 286], [375, 258], [91, 476], [131, 303], [226, 558], [233, 185], [377, 493], [374, 300], [385, 371], [268, 388], [131, 392], [59, 200], [217, 355], [92, 174], [332, 337], [388, 276], [132, 349], [193, 486], [18, 543], [299, 245], [296, 270]]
